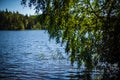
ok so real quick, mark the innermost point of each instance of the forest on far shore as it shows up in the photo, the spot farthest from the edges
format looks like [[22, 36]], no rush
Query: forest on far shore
[[16, 21]]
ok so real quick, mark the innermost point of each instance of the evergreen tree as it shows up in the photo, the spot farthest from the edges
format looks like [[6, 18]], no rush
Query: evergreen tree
[[15, 21]]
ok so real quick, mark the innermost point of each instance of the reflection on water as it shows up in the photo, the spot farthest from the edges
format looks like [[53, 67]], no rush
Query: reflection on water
[[29, 55]]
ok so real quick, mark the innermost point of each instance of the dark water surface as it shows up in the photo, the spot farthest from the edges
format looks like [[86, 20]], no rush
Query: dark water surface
[[29, 55]]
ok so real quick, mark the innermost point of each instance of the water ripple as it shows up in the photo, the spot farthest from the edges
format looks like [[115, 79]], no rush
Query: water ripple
[[29, 55]]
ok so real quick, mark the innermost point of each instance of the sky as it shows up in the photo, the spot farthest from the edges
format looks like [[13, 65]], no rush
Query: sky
[[15, 5]]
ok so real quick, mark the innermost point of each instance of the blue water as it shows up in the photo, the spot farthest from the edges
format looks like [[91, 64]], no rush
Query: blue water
[[29, 55]]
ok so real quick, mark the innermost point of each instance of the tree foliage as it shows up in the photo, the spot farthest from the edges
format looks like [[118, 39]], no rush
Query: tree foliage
[[15, 21], [90, 28]]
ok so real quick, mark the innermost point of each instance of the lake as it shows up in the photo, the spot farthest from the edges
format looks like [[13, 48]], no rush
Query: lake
[[30, 55]]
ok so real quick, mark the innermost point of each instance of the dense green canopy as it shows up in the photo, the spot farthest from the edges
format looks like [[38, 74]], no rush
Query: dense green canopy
[[16, 21], [90, 28]]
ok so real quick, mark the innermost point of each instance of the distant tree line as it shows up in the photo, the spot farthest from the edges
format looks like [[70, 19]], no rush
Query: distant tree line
[[16, 21]]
